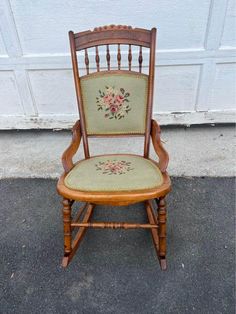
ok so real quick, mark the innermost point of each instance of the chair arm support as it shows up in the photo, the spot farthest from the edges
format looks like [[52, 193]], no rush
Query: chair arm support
[[72, 148], [158, 147]]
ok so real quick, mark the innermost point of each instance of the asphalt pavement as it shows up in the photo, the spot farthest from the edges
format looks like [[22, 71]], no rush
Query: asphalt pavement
[[116, 271]]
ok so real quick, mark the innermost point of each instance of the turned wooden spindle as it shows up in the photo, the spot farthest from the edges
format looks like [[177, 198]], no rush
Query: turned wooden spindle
[[157, 218], [86, 60], [67, 225], [162, 227], [108, 58], [113, 225], [130, 57], [118, 56], [140, 59], [97, 59]]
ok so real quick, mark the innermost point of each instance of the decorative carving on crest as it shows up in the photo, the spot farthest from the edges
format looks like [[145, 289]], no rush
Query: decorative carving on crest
[[111, 27]]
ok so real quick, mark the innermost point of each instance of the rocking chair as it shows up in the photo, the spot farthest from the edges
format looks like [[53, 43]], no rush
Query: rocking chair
[[114, 102]]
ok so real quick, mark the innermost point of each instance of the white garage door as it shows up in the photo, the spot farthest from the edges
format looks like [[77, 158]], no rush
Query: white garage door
[[195, 74]]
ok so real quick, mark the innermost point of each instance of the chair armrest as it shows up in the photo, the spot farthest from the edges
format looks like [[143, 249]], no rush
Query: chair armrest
[[158, 147], [72, 149]]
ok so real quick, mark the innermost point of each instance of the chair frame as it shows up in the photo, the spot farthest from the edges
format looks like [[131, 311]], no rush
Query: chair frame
[[152, 198]]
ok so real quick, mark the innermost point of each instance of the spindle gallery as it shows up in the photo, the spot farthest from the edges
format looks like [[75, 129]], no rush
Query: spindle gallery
[[114, 102]]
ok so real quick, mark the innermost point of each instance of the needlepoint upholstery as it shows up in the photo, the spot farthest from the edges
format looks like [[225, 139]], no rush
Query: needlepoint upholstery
[[114, 103], [114, 173]]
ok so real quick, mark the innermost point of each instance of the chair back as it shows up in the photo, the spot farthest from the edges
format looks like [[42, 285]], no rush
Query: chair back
[[114, 100]]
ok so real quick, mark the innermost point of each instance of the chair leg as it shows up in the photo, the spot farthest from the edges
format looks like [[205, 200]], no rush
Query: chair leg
[[153, 220], [71, 245], [67, 230], [162, 232]]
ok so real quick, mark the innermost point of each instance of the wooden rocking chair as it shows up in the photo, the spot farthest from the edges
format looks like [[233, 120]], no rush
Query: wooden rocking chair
[[114, 103]]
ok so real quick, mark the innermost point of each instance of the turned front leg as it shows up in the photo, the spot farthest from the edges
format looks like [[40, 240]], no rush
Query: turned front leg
[[162, 227], [67, 225]]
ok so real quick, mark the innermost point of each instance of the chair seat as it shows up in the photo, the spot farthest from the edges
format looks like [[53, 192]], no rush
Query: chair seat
[[109, 173]]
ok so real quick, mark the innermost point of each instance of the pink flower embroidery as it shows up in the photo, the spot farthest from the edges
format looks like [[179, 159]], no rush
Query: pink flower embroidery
[[114, 102], [113, 166], [114, 108]]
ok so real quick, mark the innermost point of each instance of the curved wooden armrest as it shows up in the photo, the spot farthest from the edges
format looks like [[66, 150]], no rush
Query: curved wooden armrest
[[72, 149], [158, 147]]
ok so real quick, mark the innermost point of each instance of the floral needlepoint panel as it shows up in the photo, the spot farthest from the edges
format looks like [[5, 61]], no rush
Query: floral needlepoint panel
[[115, 103], [121, 172], [113, 166]]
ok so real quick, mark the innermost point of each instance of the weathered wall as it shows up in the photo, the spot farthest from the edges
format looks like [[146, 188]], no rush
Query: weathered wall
[[195, 75]]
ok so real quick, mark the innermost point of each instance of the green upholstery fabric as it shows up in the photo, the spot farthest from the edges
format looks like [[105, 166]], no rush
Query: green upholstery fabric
[[114, 103], [114, 173]]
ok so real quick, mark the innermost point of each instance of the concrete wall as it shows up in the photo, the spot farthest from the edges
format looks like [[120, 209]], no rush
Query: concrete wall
[[195, 75]]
